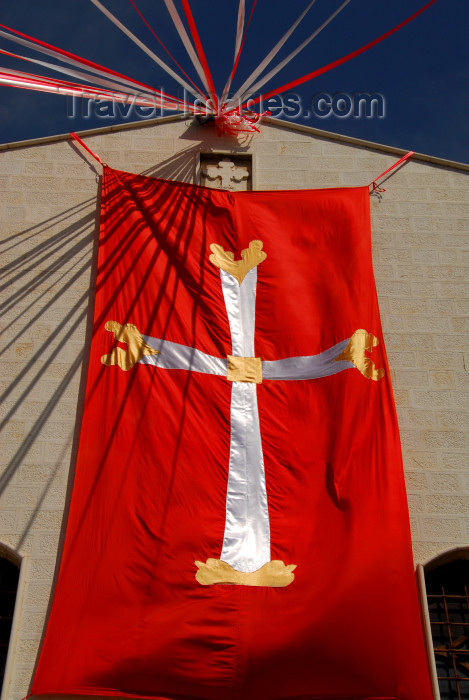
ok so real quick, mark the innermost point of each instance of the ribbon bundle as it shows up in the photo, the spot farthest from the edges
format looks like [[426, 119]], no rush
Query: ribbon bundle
[[230, 114]]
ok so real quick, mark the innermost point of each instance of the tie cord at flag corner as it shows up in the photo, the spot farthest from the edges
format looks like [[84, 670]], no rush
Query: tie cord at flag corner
[[82, 143], [373, 184]]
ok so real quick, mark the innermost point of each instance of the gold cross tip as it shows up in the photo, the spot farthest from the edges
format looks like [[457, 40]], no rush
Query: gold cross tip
[[250, 257]]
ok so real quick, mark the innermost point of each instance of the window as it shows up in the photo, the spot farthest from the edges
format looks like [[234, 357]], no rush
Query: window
[[9, 575], [447, 587]]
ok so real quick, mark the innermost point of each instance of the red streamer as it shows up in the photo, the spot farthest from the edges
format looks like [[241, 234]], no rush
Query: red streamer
[[238, 121], [235, 66], [339, 61], [83, 61], [82, 143], [200, 52], [164, 47], [401, 160]]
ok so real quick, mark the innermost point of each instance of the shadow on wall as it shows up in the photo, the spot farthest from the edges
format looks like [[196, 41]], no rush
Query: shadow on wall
[[46, 291], [181, 166]]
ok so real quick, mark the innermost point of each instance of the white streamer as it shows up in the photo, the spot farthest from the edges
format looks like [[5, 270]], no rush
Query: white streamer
[[21, 80], [183, 35], [145, 48], [71, 61], [239, 36], [113, 85], [254, 88], [263, 64]]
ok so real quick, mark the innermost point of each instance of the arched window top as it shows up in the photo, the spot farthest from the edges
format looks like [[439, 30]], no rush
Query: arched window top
[[8, 553]]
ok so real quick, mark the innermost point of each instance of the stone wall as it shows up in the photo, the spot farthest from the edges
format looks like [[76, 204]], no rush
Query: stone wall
[[48, 215]]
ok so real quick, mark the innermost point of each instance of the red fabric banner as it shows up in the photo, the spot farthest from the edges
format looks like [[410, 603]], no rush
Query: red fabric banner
[[285, 459]]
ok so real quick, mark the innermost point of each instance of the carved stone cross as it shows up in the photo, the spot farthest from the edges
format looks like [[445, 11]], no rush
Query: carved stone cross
[[227, 171], [245, 556]]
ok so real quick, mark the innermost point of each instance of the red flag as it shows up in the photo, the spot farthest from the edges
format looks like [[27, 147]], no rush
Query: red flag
[[238, 525]]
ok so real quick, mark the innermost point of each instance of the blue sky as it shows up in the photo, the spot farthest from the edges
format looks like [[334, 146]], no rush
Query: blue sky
[[421, 73]]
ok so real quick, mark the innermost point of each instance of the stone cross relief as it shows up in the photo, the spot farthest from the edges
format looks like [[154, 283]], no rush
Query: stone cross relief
[[227, 172], [245, 555]]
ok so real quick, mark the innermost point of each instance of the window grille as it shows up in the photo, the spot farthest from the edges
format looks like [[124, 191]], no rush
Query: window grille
[[448, 604]]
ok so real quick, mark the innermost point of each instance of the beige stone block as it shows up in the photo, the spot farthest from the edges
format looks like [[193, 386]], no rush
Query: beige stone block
[[40, 474], [412, 418], [401, 224], [462, 380], [17, 214], [410, 194], [432, 178], [13, 197], [9, 165], [21, 678], [32, 622], [440, 361], [451, 342], [284, 163], [458, 420], [401, 397], [448, 256], [416, 208], [444, 483], [410, 378], [420, 460], [14, 431], [411, 439], [41, 520], [42, 569], [440, 306], [26, 649], [45, 544], [420, 237], [423, 289], [418, 324], [426, 256], [393, 288], [431, 399], [454, 461], [154, 144], [293, 148], [354, 178], [31, 153], [415, 503], [452, 290], [384, 272], [7, 521], [409, 341], [460, 324], [393, 255], [406, 306], [447, 504], [460, 240], [441, 380], [416, 481], [441, 528], [402, 359], [446, 272]]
